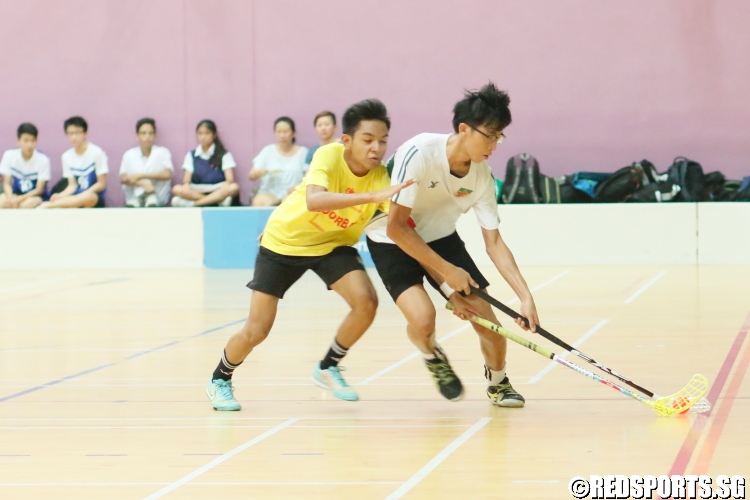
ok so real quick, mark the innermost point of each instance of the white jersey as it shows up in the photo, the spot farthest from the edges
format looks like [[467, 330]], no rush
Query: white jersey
[[85, 167], [25, 174], [438, 198], [160, 159]]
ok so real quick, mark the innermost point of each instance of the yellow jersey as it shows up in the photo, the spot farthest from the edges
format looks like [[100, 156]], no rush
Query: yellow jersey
[[293, 230]]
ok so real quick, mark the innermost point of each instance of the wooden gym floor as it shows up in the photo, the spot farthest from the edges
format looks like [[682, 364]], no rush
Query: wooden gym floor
[[102, 379]]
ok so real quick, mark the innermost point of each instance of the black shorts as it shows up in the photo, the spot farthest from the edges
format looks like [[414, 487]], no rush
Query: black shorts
[[276, 273], [399, 271]]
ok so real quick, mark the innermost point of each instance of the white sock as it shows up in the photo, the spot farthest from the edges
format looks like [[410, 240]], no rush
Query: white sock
[[494, 377], [437, 353]]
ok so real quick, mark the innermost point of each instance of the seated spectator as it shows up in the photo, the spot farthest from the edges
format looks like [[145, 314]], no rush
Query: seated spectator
[[325, 126], [280, 167], [209, 172], [25, 172], [146, 171], [84, 169]]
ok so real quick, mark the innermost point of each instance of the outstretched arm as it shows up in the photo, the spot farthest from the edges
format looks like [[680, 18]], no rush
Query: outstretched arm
[[503, 259], [319, 199]]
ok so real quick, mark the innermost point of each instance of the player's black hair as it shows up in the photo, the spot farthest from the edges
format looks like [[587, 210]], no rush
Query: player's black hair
[[27, 128], [76, 121], [144, 121], [322, 114], [288, 121], [367, 110], [487, 106], [219, 149]]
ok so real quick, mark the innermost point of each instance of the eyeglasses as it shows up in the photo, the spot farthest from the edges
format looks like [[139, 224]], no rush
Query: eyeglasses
[[489, 139]]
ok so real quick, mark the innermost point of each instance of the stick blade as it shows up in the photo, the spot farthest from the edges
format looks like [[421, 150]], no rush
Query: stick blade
[[702, 406], [689, 396]]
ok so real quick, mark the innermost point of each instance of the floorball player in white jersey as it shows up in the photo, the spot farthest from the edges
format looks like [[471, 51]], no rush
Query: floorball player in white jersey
[[418, 238]]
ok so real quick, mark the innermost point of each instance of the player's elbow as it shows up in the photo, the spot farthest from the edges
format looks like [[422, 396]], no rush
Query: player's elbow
[[312, 204], [394, 230]]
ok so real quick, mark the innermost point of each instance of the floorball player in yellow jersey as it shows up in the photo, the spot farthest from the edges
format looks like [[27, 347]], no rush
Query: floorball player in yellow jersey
[[315, 228]]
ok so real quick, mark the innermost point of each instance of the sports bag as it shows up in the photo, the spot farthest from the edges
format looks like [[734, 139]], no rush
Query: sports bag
[[522, 180], [551, 190], [656, 191], [587, 182], [687, 174], [743, 192], [713, 185], [620, 185]]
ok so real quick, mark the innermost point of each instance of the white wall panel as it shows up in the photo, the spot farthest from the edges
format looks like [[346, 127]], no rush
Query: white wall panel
[[112, 238], [591, 234], [724, 233]]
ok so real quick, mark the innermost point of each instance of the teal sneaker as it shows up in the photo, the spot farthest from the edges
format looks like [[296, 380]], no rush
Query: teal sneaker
[[331, 379], [221, 394]]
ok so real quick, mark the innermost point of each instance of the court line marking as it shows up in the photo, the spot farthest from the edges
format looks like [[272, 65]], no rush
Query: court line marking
[[96, 369], [437, 460], [706, 454], [37, 283], [172, 427], [416, 354], [219, 460], [544, 371], [645, 287], [289, 483], [228, 419], [681, 461]]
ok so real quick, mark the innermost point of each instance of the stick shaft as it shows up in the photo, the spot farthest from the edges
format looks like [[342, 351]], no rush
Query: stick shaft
[[557, 341]]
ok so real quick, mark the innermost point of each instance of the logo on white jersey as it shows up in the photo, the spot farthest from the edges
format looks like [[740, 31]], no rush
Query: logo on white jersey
[[462, 192]]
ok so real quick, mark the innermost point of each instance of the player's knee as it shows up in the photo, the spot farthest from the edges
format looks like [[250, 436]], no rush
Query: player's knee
[[177, 190], [90, 201], [422, 326], [32, 202], [254, 334], [366, 304]]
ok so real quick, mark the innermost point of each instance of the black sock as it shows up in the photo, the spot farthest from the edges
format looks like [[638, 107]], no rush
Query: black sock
[[225, 369], [335, 354]]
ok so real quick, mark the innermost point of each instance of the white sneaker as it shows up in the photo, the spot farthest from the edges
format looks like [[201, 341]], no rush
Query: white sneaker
[[182, 202], [151, 201], [226, 202], [134, 202]]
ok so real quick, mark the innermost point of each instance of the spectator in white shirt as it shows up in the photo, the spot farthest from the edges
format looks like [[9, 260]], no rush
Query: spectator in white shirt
[[25, 172], [280, 167], [85, 166], [146, 170], [209, 172]]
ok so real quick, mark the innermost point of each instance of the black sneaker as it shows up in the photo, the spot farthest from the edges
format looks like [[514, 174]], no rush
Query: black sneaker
[[446, 379], [503, 394]]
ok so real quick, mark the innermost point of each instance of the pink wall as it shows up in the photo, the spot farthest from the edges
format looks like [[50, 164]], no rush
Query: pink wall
[[594, 85]]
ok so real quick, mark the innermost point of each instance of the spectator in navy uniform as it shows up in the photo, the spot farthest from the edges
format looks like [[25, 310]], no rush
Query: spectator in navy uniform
[[209, 172]]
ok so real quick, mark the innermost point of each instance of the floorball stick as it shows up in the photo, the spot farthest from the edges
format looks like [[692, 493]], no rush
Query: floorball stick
[[679, 402], [698, 407]]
